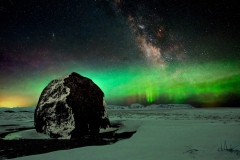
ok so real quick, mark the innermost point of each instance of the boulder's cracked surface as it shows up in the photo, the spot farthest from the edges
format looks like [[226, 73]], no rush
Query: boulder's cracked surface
[[71, 107]]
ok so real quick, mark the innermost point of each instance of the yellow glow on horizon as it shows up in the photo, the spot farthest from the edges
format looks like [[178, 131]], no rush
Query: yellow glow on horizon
[[16, 101]]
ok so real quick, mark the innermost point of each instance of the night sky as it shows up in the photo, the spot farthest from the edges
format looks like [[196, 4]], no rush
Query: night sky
[[152, 51]]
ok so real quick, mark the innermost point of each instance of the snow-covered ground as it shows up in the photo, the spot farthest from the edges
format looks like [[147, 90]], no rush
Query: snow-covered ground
[[161, 133]]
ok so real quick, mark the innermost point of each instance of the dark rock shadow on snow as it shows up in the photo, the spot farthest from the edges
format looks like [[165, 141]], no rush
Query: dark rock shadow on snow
[[25, 147]]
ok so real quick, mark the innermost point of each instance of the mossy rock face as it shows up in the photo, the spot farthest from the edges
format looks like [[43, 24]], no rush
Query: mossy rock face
[[71, 107]]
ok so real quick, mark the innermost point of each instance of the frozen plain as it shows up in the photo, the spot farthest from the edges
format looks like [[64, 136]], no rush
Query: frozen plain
[[161, 133]]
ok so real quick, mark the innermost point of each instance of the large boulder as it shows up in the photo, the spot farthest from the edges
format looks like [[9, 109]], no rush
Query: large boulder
[[71, 107]]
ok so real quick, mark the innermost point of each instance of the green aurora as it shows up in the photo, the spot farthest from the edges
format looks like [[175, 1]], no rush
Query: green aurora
[[208, 84]]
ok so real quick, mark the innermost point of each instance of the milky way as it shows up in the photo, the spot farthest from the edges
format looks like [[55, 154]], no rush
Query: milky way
[[145, 52], [158, 43]]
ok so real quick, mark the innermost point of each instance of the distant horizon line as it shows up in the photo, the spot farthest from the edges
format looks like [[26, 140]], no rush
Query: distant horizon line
[[195, 106], [107, 105]]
